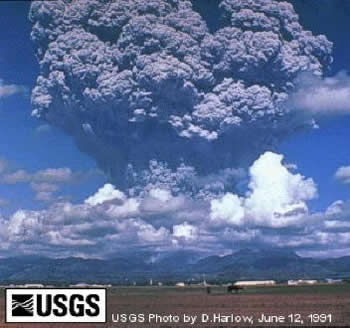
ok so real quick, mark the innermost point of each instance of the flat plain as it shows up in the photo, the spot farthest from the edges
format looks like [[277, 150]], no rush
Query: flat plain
[[297, 302]]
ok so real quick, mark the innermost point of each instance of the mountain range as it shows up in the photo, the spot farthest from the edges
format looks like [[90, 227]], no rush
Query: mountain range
[[245, 264]]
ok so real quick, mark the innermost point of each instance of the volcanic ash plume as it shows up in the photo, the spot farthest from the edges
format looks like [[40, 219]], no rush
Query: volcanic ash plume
[[148, 86]]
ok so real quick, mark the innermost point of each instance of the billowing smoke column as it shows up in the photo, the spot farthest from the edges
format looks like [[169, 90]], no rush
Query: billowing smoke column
[[147, 84]]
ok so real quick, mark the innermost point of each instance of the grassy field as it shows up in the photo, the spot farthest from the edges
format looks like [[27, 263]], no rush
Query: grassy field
[[298, 301]]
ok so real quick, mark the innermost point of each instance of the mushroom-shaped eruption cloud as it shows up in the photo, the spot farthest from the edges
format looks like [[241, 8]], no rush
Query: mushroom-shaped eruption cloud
[[138, 81]]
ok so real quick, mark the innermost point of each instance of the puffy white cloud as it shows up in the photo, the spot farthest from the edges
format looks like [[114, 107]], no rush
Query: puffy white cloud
[[57, 238], [159, 201], [335, 224], [326, 234], [160, 194], [185, 231], [148, 233], [24, 225], [129, 207], [277, 197], [343, 174], [106, 193], [229, 209], [273, 212], [337, 216], [82, 228]]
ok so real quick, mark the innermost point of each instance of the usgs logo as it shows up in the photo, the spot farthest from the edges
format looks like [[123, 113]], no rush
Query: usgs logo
[[46, 305]]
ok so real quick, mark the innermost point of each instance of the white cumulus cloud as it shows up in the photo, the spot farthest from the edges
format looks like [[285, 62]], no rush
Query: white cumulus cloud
[[111, 220], [343, 174], [106, 193], [276, 197], [228, 209], [185, 231]]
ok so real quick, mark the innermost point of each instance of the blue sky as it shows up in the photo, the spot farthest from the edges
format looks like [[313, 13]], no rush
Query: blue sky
[[320, 153], [22, 144], [29, 144]]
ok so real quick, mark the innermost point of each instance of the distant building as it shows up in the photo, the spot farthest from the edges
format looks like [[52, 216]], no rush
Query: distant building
[[302, 282], [180, 284], [334, 281], [307, 282], [33, 286], [85, 285], [292, 282], [255, 283], [80, 285]]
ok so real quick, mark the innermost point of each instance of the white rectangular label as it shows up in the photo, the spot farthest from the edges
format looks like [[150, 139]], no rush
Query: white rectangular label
[[64, 305]]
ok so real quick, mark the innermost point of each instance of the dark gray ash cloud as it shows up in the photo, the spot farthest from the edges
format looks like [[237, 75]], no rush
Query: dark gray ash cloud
[[136, 82]]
